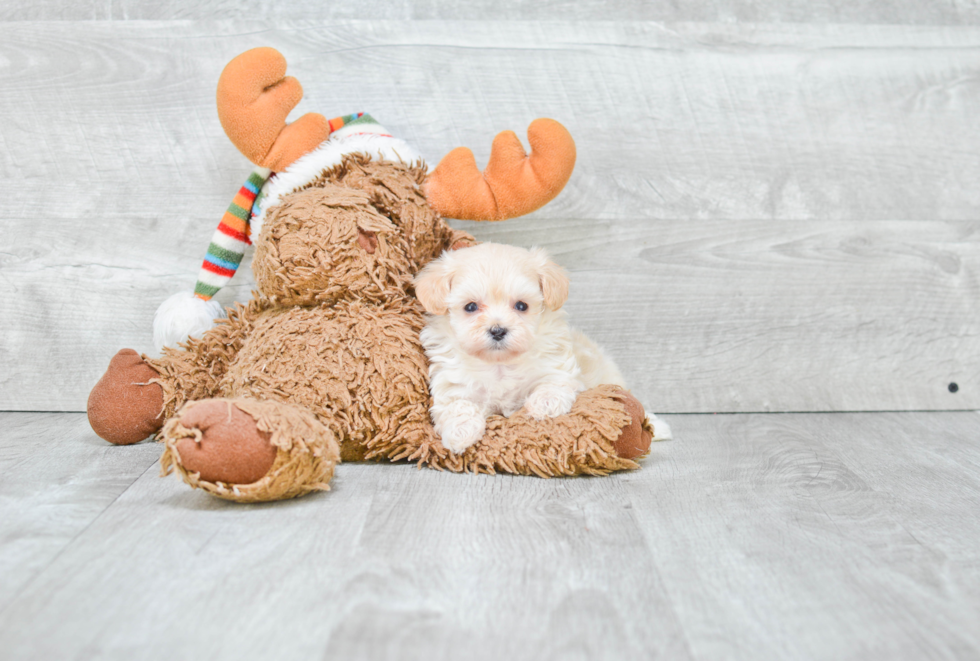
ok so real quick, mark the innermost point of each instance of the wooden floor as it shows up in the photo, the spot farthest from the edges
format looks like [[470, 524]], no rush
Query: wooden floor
[[752, 536]]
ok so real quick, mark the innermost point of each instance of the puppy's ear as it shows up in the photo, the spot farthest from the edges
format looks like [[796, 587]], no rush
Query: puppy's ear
[[552, 279], [432, 284]]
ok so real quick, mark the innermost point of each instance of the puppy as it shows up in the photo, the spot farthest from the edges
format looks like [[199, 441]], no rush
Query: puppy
[[497, 340]]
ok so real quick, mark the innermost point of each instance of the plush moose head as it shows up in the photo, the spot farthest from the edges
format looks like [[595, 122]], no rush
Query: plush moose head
[[333, 241]]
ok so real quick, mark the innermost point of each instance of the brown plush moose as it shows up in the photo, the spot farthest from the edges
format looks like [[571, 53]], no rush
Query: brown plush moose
[[325, 362]]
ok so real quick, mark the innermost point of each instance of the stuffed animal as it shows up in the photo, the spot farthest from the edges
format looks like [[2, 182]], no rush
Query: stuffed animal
[[325, 363]]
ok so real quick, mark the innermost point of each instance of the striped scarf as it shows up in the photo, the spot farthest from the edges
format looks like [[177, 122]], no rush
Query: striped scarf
[[230, 239]]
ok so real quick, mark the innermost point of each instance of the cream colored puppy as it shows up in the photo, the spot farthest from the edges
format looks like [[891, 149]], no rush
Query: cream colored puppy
[[497, 340]]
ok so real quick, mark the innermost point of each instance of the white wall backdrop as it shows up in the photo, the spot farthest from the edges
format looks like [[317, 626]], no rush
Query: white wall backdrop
[[765, 216]]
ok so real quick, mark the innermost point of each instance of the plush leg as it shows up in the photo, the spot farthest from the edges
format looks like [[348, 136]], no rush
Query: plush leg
[[248, 450], [231, 447], [634, 440], [196, 370], [605, 431], [124, 407]]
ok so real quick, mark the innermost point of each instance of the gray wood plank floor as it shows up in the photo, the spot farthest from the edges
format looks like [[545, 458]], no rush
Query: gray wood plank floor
[[797, 536], [764, 217]]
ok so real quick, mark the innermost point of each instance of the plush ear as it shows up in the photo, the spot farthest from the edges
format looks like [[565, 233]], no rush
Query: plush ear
[[553, 280], [432, 284]]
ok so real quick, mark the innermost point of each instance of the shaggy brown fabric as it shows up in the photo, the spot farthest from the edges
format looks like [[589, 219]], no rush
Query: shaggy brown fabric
[[360, 368], [306, 453], [310, 250], [580, 443], [194, 371], [394, 190], [125, 405], [327, 360]]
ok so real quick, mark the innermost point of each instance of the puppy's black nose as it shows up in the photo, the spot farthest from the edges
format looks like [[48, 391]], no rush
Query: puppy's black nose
[[497, 333]]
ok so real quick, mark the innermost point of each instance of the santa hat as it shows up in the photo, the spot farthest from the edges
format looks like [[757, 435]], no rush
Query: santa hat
[[187, 314]]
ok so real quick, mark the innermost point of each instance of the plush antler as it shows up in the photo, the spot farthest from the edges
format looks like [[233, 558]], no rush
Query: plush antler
[[513, 184], [254, 98]]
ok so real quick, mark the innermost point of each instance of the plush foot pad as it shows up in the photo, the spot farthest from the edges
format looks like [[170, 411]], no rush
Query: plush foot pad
[[124, 407], [249, 450], [230, 448], [635, 440]]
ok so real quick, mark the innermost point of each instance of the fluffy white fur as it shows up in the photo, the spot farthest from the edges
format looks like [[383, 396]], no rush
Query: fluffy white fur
[[535, 361], [181, 316]]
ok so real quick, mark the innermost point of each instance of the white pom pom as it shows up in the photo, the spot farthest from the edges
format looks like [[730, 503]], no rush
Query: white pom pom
[[181, 316], [661, 430]]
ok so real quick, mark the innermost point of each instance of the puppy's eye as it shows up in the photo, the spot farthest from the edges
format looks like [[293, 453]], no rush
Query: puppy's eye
[[520, 306], [471, 307]]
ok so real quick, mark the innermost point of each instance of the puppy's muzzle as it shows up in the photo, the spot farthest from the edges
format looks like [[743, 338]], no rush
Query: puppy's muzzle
[[497, 333]]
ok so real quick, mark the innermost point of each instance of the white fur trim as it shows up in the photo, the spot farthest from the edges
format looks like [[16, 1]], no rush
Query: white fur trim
[[181, 316], [327, 155]]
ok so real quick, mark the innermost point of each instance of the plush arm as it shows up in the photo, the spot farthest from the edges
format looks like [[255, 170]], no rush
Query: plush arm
[[195, 371]]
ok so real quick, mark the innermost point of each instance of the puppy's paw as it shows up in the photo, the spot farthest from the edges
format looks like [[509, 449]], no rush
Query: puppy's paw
[[461, 424], [549, 401]]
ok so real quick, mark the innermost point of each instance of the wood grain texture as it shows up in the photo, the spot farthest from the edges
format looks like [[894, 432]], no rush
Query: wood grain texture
[[804, 536], [761, 316], [672, 122], [820, 536], [857, 142], [942, 12], [56, 478]]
